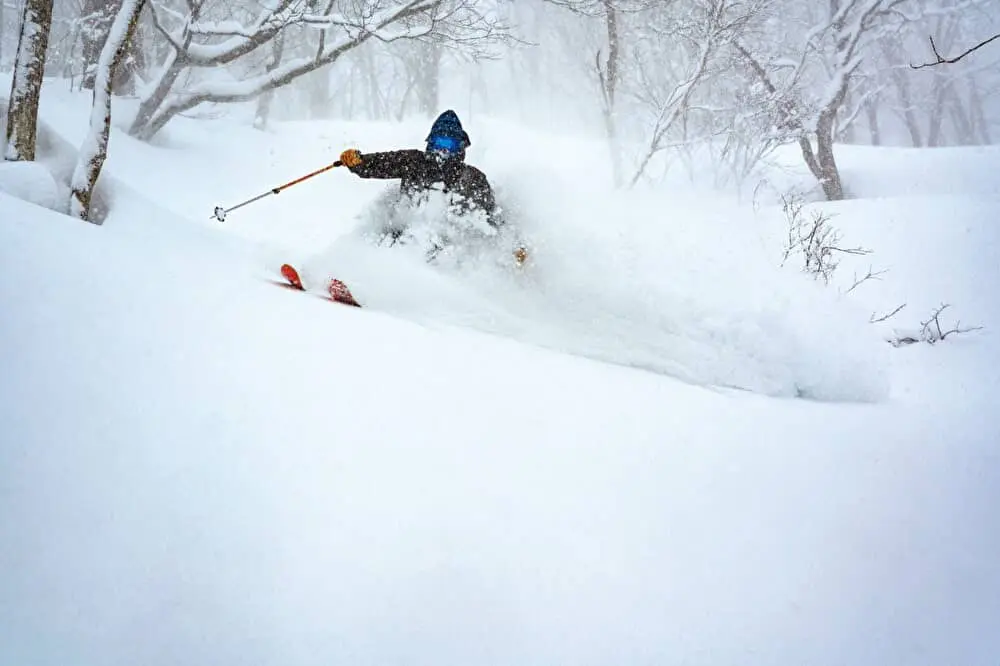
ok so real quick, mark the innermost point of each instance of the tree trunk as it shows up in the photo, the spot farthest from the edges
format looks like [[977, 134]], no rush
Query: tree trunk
[[829, 173], [960, 119], [370, 72], [937, 112], [68, 62], [609, 86], [142, 125], [318, 92], [95, 147], [97, 16], [264, 101], [809, 156], [912, 126], [871, 111], [982, 127], [848, 133], [428, 78], [26, 86]]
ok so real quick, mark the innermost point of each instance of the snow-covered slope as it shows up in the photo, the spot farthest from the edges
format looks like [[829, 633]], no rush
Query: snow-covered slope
[[199, 468]]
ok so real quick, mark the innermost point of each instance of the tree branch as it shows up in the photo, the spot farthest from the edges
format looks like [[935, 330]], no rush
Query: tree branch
[[941, 60]]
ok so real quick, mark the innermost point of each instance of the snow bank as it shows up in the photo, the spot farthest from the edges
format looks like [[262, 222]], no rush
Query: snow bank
[[33, 183]]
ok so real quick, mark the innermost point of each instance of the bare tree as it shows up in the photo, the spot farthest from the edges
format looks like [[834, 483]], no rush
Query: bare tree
[[701, 31], [608, 63], [29, 68], [835, 45], [199, 45], [95, 147]]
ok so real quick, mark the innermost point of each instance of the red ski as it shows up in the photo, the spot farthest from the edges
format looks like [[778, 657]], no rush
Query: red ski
[[336, 290]]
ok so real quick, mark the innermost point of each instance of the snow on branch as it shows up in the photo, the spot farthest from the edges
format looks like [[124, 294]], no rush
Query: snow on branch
[[456, 21], [242, 40], [95, 147]]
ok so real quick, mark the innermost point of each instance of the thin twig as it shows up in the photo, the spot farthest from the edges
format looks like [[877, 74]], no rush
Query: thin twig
[[870, 275], [875, 320], [941, 60]]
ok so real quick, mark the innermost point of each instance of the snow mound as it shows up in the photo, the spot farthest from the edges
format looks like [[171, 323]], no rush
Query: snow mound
[[46, 180], [33, 183]]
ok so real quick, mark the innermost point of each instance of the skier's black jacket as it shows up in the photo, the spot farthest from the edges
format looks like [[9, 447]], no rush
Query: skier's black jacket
[[420, 171]]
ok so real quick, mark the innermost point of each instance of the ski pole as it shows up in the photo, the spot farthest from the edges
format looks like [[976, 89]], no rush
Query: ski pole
[[220, 212]]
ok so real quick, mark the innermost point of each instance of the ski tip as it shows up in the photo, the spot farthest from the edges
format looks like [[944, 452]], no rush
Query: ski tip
[[339, 292], [289, 273]]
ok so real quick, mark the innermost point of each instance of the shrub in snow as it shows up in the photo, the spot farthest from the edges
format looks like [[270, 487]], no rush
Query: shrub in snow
[[931, 330], [815, 241]]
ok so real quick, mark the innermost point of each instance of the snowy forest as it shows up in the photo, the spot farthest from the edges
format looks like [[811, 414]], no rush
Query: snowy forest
[[710, 376], [666, 82]]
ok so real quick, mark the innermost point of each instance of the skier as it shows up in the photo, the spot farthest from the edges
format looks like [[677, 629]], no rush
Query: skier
[[440, 166], [442, 163]]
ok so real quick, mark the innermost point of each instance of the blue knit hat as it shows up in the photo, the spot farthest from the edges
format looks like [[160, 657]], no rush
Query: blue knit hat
[[448, 124]]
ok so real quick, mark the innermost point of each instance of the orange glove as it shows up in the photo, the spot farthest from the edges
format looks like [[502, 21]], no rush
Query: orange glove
[[350, 158], [520, 256]]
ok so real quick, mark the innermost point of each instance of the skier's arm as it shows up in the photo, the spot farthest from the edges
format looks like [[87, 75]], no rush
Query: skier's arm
[[389, 164]]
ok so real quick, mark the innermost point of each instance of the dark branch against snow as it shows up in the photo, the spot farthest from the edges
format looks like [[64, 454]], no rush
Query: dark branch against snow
[[941, 60]]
